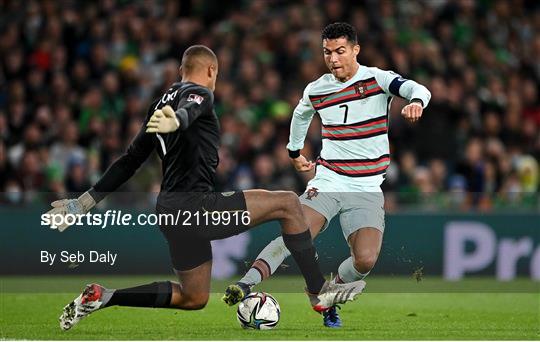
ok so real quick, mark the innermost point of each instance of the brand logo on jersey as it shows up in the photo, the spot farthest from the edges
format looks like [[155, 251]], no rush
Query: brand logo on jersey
[[195, 98], [312, 192], [168, 97], [227, 194]]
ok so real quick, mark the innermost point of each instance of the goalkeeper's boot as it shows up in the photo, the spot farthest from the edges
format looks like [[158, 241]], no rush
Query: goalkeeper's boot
[[332, 294], [331, 317], [236, 292], [86, 303]]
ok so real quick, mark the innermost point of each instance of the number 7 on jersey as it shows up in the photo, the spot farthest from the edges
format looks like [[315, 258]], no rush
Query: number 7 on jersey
[[346, 112]]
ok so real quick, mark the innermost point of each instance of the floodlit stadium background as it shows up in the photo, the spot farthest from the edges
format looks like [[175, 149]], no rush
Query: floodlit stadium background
[[76, 79]]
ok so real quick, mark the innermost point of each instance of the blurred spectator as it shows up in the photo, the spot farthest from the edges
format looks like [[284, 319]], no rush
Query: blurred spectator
[[6, 170], [76, 81], [67, 147], [439, 173], [13, 194], [31, 141], [76, 178]]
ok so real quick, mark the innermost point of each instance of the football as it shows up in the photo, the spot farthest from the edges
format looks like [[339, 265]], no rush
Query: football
[[259, 310]]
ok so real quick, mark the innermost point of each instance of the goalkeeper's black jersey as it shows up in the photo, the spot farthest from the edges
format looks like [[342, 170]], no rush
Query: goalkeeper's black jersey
[[189, 155]]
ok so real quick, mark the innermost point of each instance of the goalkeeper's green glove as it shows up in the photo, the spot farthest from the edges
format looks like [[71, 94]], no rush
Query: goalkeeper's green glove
[[78, 206], [163, 121]]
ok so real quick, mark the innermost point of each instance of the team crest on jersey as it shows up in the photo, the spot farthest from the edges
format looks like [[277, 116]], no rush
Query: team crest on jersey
[[312, 192], [195, 98], [361, 89]]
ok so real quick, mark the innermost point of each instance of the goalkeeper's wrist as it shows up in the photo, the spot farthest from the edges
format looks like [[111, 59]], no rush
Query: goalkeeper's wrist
[[87, 201]]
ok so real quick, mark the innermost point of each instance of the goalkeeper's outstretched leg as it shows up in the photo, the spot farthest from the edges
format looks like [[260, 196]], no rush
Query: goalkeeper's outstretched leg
[[269, 260], [190, 293]]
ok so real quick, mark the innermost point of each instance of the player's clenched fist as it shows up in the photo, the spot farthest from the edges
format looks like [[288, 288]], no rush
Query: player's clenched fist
[[163, 121], [302, 164], [412, 112]]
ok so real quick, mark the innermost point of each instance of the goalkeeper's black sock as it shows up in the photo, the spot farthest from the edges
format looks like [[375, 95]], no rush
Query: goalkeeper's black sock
[[304, 253], [154, 295]]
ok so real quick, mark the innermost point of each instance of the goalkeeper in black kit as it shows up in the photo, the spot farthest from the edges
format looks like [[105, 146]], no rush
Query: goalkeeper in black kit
[[184, 130]]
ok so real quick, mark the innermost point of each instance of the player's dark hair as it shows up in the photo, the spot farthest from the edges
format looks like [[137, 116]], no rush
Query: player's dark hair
[[340, 30], [193, 55]]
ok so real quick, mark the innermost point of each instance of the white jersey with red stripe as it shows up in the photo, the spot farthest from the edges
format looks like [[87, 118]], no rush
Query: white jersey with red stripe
[[355, 149]]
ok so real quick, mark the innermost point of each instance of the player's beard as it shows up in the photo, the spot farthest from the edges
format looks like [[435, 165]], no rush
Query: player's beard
[[339, 73]]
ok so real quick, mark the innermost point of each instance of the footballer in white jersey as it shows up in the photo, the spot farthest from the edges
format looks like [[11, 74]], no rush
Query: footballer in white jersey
[[353, 102]]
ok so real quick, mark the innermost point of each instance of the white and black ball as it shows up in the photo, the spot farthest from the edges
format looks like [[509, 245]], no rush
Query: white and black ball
[[259, 310]]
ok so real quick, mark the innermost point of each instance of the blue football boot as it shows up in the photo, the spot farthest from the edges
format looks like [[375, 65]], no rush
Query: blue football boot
[[331, 318]]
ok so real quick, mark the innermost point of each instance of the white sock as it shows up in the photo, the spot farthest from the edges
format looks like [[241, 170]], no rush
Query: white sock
[[267, 262], [347, 273]]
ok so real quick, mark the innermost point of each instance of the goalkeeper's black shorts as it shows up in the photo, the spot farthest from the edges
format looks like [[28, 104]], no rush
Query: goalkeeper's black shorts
[[197, 219]]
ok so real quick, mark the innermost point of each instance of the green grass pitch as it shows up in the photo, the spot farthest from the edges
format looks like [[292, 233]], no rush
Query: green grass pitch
[[391, 308]]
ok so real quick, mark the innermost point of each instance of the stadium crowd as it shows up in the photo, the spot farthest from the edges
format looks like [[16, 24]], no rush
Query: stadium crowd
[[76, 79]]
